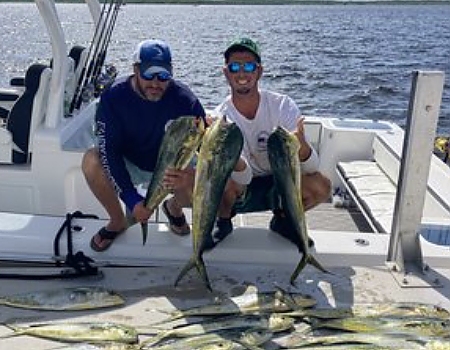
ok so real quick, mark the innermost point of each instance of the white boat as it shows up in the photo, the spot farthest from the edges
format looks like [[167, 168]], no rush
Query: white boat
[[390, 252]]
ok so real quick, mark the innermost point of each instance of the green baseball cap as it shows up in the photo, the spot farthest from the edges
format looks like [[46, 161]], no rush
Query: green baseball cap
[[243, 44]]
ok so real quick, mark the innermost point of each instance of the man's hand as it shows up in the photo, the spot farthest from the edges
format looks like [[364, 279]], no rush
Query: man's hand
[[175, 179], [305, 148], [141, 213]]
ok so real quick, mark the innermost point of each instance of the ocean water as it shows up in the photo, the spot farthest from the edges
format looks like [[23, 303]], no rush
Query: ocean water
[[334, 60]]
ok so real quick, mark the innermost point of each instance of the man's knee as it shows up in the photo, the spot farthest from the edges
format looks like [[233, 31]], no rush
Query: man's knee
[[232, 191], [316, 187], [324, 188], [90, 162]]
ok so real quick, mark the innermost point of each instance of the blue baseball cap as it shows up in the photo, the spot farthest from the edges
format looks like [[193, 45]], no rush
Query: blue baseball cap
[[153, 56]]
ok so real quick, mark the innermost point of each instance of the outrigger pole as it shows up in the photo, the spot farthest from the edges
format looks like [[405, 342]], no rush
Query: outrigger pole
[[97, 51]]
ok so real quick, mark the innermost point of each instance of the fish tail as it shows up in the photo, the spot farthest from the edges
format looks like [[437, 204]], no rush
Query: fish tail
[[190, 264], [144, 227], [301, 265], [200, 264], [16, 331], [313, 261], [285, 297], [153, 340]]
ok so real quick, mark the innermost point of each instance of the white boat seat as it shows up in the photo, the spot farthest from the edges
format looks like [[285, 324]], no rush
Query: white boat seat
[[372, 191], [372, 184], [26, 114]]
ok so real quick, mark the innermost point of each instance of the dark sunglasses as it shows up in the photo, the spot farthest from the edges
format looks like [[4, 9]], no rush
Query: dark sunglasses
[[161, 76], [248, 67]]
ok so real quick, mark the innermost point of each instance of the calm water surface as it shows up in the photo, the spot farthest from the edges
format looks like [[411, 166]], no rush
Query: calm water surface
[[348, 61]]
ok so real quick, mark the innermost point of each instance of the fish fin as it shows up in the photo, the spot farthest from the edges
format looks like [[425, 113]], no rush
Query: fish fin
[[16, 331], [153, 340], [247, 345], [200, 264], [285, 297], [144, 227], [313, 261], [189, 265]]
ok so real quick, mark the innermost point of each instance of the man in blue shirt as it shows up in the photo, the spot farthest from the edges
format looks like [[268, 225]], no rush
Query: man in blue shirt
[[131, 120]]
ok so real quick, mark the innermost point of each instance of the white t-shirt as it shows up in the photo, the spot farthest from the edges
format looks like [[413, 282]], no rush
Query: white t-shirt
[[274, 110]]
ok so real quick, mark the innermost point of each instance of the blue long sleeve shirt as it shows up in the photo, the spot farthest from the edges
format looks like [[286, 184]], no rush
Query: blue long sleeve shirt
[[130, 127]]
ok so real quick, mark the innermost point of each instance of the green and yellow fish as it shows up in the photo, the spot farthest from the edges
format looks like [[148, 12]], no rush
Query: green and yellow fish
[[283, 147], [220, 150], [180, 142]]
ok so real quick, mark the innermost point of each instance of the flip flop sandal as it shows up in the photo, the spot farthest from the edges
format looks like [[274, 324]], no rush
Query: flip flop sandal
[[177, 224], [107, 238]]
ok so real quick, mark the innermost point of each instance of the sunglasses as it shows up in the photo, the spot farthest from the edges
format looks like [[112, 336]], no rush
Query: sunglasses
[[161, 76], [248, 67]]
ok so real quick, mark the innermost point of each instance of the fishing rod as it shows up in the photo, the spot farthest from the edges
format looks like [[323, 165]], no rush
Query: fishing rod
[[88, 65], [86, 90], [102, 55], [98, 47]]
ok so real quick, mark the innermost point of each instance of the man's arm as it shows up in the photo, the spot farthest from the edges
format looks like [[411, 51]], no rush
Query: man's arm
[[308, 156]]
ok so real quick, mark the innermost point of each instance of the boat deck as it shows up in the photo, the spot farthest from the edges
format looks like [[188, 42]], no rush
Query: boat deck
[[241, 264]]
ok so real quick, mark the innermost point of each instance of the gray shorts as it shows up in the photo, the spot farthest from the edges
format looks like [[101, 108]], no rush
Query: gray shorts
[[137, 175]]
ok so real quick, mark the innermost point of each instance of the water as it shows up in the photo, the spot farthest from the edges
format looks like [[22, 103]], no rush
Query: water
[[335, 60]]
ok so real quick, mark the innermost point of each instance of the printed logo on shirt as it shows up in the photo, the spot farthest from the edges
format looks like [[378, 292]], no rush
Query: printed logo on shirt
[[261, 141]]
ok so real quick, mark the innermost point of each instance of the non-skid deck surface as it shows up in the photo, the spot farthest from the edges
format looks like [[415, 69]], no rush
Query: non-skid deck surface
[[324, 217]]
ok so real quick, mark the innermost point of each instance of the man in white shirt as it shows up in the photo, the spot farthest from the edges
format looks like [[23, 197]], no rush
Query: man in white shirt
[[257, 113]]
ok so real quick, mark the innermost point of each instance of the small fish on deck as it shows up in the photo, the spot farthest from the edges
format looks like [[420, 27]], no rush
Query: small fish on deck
[[251, 337], [380, 340], [419, 326], [374, 310], [268, 302], [275, 323], [93, 332], [101, 346], [65, 299]]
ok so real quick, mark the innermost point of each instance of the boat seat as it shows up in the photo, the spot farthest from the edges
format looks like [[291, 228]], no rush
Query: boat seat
[[26, 114], [79, 55], [372, 184]]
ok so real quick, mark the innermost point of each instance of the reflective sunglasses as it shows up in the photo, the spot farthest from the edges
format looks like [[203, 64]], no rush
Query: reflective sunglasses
[[248, 67], [161, 76]]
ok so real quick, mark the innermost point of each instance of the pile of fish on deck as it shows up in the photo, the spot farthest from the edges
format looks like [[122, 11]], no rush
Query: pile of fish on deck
[[271, 320]]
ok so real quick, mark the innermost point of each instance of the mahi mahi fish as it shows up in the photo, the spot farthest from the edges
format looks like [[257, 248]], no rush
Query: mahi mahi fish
[[404, 309], [382, 340], [274, 322], [420, 326], [219, 152], [250, 337], [246, 304], [179, 144], [93, 332], [100, 346], [283, 147], [65, 299]]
